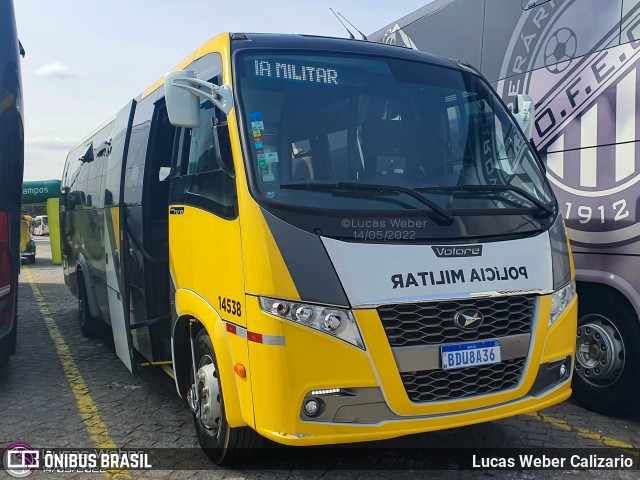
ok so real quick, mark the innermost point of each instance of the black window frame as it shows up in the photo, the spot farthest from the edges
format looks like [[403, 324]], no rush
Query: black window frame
[[181, 179]]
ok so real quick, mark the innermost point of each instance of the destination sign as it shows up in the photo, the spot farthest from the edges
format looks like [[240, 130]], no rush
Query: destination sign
[[307, 72]]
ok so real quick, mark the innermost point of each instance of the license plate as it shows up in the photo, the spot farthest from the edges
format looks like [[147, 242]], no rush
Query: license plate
[[462, 355]]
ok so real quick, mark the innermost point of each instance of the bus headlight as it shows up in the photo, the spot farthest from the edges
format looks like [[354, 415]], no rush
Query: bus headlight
[[336, 322], [560, 300]]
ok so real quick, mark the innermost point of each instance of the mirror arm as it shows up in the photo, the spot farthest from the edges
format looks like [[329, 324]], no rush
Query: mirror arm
[[221, 96]]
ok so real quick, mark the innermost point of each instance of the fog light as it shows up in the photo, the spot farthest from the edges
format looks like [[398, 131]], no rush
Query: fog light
[[332, 321], [563, 370], [311, 407]]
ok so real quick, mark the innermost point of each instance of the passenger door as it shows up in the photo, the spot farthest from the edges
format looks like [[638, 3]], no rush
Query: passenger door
[[116, 244]]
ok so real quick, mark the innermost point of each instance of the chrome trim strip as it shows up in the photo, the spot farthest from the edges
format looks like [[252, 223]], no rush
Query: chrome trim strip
[[444, 298], [4, 290], [427, 357]]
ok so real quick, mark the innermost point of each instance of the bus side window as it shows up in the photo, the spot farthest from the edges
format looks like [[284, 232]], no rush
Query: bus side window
[[209, 179]]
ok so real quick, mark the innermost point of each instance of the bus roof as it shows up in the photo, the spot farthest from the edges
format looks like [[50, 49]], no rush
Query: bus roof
[[305, 42], [294, 42], [344, 45]]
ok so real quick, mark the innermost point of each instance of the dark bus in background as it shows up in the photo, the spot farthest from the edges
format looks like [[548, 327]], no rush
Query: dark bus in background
[[578, 60], [11, 167]]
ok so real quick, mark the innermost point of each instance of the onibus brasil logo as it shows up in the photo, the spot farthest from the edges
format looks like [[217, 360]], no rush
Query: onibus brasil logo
[[20, 460]]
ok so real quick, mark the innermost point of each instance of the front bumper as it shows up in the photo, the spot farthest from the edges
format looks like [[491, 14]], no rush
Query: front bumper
[[375, 404]]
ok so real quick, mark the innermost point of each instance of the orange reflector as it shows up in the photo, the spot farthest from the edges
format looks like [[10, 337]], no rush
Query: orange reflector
[[240, 370]]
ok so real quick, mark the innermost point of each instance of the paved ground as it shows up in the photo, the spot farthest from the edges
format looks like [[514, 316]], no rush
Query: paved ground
[[62, 390]]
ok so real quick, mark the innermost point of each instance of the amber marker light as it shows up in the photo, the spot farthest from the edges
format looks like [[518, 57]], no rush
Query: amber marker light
[[240, 370]]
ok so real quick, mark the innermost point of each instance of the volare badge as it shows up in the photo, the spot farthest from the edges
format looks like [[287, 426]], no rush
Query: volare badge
[[453, 251]]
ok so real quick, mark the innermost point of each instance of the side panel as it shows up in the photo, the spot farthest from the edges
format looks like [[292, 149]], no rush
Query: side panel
[[617, 271], [206, 257], [11, 168], [427, 33]]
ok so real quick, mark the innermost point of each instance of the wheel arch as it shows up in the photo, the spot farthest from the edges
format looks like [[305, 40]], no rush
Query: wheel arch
[[190, 307], [611, 283]]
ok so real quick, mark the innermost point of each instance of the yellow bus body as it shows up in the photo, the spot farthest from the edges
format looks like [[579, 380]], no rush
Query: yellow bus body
[[278, 377]]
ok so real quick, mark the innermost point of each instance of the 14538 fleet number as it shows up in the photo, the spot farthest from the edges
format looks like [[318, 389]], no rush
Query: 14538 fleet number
[[228, 305]]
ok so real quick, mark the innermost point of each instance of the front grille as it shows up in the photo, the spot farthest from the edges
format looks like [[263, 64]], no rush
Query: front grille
[[433, 385], [431, 323]]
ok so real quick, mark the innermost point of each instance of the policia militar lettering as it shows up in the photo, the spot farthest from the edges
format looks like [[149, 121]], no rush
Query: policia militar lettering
[[217, 223]]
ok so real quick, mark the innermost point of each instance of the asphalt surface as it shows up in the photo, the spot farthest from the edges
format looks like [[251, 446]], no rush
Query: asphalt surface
[[62, 390]]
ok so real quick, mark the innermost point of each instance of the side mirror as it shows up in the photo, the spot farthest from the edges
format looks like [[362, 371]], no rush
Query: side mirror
[[525, 114], [182, 93], [183, 107]]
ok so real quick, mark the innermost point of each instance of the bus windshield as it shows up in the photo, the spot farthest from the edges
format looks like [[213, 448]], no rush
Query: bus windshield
[[319, 125]]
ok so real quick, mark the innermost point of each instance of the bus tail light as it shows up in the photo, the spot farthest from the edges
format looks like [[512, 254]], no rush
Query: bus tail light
[[6, 270]]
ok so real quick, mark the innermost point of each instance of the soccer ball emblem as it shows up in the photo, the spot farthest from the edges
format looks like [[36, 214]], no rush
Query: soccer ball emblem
[[560, 49]]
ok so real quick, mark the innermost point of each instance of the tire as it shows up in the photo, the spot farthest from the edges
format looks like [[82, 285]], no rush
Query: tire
[[89, 326], [224, 445], [606, 319], [32, 260]]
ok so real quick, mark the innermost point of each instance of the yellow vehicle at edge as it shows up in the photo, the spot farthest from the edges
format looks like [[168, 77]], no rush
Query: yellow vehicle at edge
[[331, 240]]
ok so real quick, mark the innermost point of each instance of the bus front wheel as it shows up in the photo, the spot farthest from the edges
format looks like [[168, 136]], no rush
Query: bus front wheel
[[605, 378], [222, 443]]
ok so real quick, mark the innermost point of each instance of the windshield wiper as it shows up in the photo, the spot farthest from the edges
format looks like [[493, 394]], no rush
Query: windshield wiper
[[369, 187], [490, 188]]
